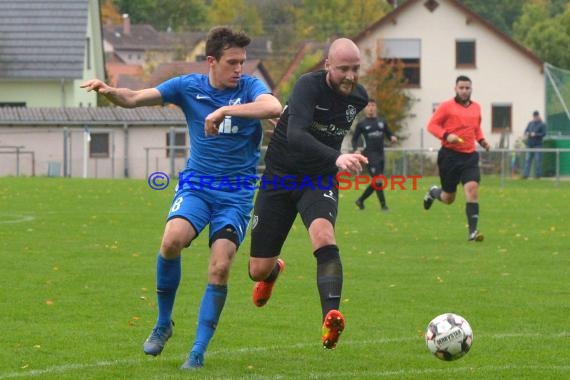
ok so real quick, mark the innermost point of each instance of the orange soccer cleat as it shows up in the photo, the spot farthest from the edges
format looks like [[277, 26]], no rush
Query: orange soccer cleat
[[262, 289], [332, 328]]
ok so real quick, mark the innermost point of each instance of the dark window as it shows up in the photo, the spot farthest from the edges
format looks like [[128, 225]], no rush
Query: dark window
[[13, 104], [465, 54], [179, 141], [99, 145], [501, 118], [412, 72]]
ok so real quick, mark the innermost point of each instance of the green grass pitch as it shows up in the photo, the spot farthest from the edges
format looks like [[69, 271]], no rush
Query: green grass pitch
[[77, 270]]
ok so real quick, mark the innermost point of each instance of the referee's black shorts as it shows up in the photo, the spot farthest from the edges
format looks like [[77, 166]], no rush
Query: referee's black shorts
[[455, 167], [276, 208]]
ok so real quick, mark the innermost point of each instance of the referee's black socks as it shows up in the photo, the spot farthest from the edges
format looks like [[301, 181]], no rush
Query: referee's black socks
[[472, 211]]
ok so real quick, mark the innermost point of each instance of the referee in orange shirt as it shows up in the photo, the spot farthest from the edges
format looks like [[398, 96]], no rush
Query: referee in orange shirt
[[457, 123]]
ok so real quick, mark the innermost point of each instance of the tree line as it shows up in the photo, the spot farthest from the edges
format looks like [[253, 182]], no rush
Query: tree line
[[543, 26]]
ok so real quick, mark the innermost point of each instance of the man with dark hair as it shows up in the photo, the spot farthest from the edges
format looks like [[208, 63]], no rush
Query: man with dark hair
[[306, 148], [222, 111], [534, 134], [374, 130], [457, 123]]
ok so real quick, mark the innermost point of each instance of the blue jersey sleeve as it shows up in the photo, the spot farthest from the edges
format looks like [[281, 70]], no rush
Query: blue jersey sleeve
[[170, 90], [256, 88]]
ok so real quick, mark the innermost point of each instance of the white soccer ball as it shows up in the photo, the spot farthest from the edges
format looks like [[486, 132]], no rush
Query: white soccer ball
[[449, 336]]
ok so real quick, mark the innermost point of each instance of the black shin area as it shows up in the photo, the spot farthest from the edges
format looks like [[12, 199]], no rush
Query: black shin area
[[329, 277]]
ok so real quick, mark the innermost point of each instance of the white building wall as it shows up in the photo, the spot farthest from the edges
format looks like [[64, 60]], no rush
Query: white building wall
[[503, 74], [47, 145]]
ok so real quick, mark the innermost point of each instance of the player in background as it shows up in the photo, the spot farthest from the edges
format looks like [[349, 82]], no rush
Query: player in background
[[305, 146], [457, 123], [222, 111], [374, 130], [534, 134]]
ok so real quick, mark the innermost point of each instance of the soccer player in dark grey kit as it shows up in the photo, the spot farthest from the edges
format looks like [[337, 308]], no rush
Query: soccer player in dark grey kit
[[306, 146], [374, 130]]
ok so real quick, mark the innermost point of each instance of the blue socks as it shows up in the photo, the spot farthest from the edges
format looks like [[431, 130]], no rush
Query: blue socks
[[209, 315], [168, 274], [167, 281]]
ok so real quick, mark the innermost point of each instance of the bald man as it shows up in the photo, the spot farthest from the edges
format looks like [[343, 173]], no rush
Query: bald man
[[302, 160]]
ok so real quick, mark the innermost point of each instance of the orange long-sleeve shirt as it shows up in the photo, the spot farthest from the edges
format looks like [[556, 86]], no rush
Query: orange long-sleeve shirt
[[465, 122]]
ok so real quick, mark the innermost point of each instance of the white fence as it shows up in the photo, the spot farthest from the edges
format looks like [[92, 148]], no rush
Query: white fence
[[506, 163]]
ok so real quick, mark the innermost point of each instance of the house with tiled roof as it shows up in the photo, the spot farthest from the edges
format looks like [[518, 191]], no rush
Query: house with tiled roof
[[47, 48], [186, 46], [50, 126], [93, 142], [136, 44], [128, 45], [438, 40]]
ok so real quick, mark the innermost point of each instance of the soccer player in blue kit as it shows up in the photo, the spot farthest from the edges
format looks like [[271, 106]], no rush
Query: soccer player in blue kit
[[222, 110]]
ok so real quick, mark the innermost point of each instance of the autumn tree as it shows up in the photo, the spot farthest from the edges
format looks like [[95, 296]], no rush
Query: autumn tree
[[237, 14], [386, 83], [166, 15], [322, 19], [110, 13], [278, 19], [308, 61]]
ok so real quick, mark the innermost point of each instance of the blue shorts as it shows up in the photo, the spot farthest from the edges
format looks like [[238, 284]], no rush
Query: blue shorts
[[218, 208]]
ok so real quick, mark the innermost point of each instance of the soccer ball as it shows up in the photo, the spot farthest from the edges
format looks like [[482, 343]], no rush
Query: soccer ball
[[449, 336]]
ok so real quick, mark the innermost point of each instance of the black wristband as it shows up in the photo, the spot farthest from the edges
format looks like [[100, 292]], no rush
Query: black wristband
[[445, 136]]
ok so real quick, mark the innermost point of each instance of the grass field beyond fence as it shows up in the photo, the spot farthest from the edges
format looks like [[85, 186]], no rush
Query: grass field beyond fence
[[77, 278]]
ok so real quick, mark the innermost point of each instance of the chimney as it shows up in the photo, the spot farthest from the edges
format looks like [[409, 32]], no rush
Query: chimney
[[126, 24]]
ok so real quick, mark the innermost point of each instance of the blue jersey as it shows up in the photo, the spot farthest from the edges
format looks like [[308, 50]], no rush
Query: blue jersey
[[234, 152]]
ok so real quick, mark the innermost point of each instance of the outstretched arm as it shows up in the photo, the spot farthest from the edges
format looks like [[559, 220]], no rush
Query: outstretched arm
[[125, 97]]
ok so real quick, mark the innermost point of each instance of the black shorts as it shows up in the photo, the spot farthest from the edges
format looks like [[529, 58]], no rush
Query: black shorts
[[375, 164], [455, 167], [275, 211]]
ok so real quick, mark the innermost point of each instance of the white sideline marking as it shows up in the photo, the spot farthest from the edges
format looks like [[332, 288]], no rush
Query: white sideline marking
[[247, 350], [15, 218], [426, 371]]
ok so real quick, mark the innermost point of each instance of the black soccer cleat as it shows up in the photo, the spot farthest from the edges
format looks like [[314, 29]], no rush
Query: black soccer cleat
[[359, 203], [428, 198]]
